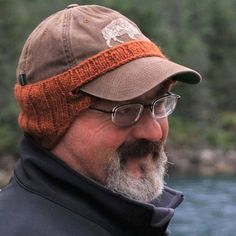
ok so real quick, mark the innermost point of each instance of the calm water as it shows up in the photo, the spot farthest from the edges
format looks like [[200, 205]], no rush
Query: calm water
[[209, 208]]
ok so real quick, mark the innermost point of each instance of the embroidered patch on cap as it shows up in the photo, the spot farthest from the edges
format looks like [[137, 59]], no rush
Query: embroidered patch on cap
[[118, 28]]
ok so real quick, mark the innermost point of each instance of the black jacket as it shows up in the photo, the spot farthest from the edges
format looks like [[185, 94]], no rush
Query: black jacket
[[47, 198]]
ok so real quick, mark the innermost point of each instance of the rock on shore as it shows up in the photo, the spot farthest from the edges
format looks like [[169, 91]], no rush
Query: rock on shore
[[204, 162]]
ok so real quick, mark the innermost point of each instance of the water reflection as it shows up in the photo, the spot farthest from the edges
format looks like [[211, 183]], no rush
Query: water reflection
[[209, 208]]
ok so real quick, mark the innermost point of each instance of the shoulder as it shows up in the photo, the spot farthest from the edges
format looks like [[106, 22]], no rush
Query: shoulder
[[26, 213]]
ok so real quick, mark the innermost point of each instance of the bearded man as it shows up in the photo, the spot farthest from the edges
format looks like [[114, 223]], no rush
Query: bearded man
[[95, 94]]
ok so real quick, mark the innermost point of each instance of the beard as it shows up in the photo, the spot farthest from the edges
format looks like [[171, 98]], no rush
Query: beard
[[150, 185]]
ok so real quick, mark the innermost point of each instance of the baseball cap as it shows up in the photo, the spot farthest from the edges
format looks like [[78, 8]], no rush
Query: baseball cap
[[75, 34], [87, 48]]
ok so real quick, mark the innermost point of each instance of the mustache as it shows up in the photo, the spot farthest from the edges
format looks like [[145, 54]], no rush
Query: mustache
[[139, 148]]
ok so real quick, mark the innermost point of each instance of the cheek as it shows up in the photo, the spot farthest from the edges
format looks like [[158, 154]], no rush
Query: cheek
[[89, 145], [97, 145], [97, 135], [108, 136]]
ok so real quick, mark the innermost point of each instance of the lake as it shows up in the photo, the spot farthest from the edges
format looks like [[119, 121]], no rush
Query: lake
[[209, 208]]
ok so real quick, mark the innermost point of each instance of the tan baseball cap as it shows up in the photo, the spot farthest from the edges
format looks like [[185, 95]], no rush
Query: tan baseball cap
[[74, 35]]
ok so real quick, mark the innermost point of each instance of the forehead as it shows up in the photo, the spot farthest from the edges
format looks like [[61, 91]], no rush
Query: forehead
[[144, 98]]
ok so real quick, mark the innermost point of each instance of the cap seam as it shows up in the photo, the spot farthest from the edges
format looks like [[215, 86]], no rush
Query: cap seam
[[65, 38]]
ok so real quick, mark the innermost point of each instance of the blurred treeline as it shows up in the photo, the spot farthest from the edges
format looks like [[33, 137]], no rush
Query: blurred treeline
[[198, 33]]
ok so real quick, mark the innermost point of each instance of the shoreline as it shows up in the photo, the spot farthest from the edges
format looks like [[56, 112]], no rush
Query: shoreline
[[205, 162], [184, 162]]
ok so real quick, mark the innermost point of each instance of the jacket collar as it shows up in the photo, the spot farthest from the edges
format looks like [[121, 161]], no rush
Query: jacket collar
[[41, 172]]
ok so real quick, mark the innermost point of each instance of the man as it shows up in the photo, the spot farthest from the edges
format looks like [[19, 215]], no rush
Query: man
[[95, 95]]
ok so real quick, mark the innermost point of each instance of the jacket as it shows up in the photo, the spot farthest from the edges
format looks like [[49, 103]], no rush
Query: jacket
[[46, 197]]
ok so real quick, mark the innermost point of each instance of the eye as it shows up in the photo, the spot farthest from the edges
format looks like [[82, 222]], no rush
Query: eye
[[165, 106], [160, 106], [127, 114]]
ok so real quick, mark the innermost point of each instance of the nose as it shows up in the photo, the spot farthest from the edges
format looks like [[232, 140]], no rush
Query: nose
[[150, 128]]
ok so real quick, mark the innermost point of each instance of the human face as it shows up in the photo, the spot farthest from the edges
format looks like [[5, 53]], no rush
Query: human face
[[93, 145]]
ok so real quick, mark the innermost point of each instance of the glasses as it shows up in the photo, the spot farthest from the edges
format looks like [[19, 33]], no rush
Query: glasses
[[128, 114]]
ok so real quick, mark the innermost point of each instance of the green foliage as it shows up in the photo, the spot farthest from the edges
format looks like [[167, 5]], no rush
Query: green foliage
[[228, 122], [7, 138], [185, 133], [220, 138], [199, 33], [223, 133], [220, 135]]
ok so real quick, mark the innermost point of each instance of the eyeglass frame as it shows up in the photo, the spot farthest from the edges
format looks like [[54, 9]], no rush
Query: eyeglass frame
[[150, 106]]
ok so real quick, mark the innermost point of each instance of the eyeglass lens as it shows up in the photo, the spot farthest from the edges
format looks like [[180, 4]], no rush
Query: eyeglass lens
[[129, 114], [164, 106]]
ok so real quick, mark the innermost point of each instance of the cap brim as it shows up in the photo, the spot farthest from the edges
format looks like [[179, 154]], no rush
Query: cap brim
[[138, 77]]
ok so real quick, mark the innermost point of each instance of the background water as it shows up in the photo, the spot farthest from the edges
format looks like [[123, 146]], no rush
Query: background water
[[209, 208]]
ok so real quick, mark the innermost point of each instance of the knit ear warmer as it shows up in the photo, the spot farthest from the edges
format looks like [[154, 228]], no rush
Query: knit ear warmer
[[50, 106]]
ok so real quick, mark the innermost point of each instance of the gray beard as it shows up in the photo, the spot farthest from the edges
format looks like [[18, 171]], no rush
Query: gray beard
[[144, 189]]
